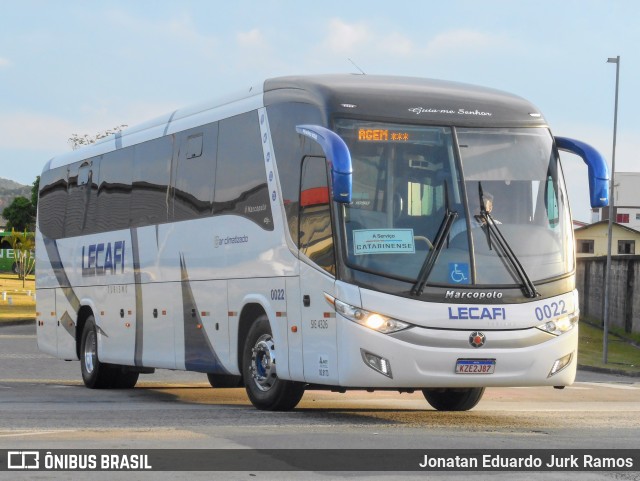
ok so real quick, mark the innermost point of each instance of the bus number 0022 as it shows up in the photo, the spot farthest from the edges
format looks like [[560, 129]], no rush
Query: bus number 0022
[[549, 311], [277, 294]]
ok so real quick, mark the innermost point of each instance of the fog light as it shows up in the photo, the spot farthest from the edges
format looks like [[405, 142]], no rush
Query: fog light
[[560, 364], [377, 363]]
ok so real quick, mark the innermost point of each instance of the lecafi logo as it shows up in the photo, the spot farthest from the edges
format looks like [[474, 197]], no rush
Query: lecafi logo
[[101, 259]]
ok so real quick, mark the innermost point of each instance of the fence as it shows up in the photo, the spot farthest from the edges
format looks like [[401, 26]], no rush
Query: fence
[[624, 293]]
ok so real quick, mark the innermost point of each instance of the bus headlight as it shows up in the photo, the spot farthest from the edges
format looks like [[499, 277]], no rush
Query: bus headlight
[[560, 325], [372, 320]]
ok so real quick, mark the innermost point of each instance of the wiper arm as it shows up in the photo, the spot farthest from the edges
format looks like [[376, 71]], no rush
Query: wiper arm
[[528, 286], [441, 237]]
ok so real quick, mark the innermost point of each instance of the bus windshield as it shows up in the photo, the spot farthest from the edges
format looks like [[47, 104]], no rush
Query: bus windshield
[[423, 197]]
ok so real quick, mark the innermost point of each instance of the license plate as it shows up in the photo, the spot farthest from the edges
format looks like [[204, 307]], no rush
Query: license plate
[[475, 366]]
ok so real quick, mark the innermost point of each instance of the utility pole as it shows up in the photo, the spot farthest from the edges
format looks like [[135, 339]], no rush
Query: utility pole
[[607, 274]]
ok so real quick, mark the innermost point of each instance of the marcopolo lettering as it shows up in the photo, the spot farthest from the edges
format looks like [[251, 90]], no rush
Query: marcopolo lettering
[[101, 259], [480, 313], [473, 295], [250, 209]]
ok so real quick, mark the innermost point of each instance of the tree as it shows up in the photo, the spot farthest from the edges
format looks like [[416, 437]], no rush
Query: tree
[[76, 141], [20, 214], [34, 194], [23, 245]]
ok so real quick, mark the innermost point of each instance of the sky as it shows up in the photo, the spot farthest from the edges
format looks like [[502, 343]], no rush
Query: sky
[[82, 67]]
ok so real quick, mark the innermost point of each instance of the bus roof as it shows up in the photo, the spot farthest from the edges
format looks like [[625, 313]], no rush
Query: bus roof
[[384, 98], [407, 99]]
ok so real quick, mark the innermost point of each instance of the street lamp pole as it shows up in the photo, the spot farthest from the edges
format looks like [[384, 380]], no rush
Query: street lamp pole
[[607, 275]]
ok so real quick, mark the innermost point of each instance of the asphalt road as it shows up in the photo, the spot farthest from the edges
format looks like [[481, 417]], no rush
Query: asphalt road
[[43, 405]]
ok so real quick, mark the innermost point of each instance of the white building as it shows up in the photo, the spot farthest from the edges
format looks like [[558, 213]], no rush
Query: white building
[[626, 197]]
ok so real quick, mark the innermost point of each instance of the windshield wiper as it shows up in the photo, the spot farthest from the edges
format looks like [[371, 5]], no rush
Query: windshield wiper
[[528, 287], [441, 237]]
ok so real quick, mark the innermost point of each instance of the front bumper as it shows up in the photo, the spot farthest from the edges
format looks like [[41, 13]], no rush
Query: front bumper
[[422, 357]]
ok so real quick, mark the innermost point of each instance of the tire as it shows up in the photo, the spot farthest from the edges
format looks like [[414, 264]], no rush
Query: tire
[[123, 378], [453, 399], [95, 374], [265, 390], [224, 380]]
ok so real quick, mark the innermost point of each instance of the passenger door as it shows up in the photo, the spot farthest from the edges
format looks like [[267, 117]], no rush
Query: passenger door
[[317, 274]]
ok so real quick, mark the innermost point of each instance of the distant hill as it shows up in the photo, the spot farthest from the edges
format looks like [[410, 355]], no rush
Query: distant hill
[[9, 190], [7, 184]]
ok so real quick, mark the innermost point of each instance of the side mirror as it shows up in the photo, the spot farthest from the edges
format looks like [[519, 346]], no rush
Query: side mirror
[[338, 157], [598, 169]]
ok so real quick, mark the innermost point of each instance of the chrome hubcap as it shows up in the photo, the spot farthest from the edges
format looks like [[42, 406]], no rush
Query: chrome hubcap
[[263, 363], [90, 352]]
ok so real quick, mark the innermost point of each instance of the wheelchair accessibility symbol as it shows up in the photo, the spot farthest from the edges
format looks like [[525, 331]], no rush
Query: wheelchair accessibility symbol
[[459, 273]]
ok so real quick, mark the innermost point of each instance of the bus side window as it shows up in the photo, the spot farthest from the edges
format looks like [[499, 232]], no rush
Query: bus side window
[[52, 202], [114, 190], [81, 197], [289, 149], [316, 234], [241, 180], [151, 176], [195, 169], [551, 201]]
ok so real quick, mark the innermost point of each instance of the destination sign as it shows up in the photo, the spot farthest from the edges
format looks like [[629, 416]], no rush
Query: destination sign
[[382, 135]]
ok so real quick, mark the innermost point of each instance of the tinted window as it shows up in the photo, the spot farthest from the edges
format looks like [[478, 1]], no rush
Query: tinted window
[[289, 151], [52, 202], [81, 197], [316, 235], [241, 183], [114, 190], [194, 173], [151, 174]]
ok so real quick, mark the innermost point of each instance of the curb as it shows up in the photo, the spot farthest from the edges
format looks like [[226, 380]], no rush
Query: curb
[[17, 322], [604, 370]]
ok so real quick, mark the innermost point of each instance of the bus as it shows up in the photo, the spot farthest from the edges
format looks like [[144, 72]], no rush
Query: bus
[[327, 232]]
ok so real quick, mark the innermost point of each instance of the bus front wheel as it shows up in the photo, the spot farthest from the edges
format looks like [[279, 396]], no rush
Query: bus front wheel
[[265, 389], [453, 399]]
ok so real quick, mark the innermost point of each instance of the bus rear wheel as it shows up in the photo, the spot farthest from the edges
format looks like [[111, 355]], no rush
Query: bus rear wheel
[[95, 374], [453, 399], [123, 378], [99, 375], [265, 389]]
